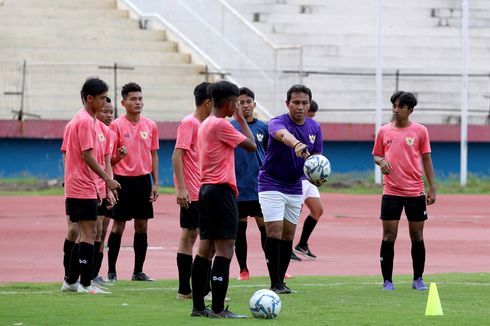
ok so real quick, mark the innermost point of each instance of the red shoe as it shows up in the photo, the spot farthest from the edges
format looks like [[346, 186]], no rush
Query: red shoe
[[288, 275], [244, 275]]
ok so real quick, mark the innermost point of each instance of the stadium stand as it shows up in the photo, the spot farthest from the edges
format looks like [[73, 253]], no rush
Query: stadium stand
[[64, 42], [422, 53]]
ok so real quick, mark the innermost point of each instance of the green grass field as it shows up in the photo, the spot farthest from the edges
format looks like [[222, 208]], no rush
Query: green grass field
[[335, 300], [346, 183]]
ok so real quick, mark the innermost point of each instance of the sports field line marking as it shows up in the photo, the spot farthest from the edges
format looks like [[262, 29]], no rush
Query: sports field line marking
[[251, 286]]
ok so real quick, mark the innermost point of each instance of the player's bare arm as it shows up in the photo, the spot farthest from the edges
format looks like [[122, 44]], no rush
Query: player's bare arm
[[288, 139], [183, 198], [89, 159], [429, 174], [249, 143], [384, 165], [154, 173], [112, 198], [120, 154]]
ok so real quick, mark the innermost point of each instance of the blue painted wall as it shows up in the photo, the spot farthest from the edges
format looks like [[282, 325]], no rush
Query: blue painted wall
[[42, 158]]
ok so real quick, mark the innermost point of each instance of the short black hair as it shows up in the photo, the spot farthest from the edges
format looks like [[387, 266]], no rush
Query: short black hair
[[128, 88], [298, 88], [108, 99], [313, 107], [247, 91], [407, 99], [222, 91], [395, 96], [93, 86], [201, 93]]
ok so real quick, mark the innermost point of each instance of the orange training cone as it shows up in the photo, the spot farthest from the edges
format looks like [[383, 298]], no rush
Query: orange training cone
[[433, 303]]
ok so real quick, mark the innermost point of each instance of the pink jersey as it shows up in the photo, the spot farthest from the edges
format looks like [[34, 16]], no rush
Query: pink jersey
[[187, 140], [140, 139], [403, 148], [81, 136], [217, 139], [65, 137], [102, 148]]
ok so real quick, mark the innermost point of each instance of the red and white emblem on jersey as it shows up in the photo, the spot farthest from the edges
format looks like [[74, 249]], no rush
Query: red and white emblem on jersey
[[410, 140], [144, 134], [101, 137]]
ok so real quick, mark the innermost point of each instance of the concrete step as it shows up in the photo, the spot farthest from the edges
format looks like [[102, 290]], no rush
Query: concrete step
[[100, 57], [54, 4], [37, 13]]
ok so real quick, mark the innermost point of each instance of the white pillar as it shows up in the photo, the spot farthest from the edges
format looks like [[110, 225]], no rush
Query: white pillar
[[379, 78], [464, 94]]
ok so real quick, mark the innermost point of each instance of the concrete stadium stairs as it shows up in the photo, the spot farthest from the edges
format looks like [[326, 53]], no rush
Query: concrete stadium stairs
[[65, 41]]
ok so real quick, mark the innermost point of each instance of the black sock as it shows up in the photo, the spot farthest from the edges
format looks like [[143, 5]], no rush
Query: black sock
[[74, 268], [67, 248], [199, 278], [418, 258], [184, 266], [387, 254], [114, 245], [241, 245], [98, 263], [140, 245], [286, 248], [263, 237], [308, 227], [86, 258], [208, 282], [272, 246], [220, 274], [95, 272]]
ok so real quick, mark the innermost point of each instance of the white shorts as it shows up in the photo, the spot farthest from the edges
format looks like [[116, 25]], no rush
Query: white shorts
[[277, 206], [309, 190]]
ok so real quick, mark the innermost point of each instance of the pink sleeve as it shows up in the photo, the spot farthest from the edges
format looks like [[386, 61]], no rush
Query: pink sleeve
[[86, 130], [424, 141], [378, 149], [229, 135], [108, 142], [185, 134], [154, 137]]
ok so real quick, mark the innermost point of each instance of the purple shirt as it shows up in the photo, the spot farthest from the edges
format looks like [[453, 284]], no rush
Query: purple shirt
[[282, 170]]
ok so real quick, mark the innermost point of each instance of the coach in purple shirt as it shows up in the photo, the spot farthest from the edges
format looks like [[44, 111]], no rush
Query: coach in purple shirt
[[292, 137]]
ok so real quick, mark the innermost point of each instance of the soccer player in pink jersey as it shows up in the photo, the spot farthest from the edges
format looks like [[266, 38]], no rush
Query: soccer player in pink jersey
[[81, 182], [218, 212], [187, 180], [401, 148], [137, 173], [105, 116]]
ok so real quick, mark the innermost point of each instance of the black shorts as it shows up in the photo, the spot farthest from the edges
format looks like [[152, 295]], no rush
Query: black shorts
[[81, 209], [218, 212], [392, 206], [134, 198], [248, 208], [189, 218]]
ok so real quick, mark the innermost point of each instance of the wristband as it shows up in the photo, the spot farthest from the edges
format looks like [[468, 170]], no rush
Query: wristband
[[296, 145], [382, 159]]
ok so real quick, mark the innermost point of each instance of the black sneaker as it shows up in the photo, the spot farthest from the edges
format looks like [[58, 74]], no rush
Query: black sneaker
[[294, 257], [111, 277], [281, 288], [304, 251], [206, 312], [226, 314], [141, 277]]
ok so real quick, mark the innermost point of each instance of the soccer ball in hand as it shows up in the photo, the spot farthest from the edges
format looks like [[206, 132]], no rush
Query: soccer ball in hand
[[317, 168], [265, 304]]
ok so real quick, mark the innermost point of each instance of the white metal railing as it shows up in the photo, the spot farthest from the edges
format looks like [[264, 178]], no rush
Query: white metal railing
[[224, 40]]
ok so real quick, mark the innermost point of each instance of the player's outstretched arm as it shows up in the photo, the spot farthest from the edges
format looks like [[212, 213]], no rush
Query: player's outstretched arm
[[288, 139], [429, 174]]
